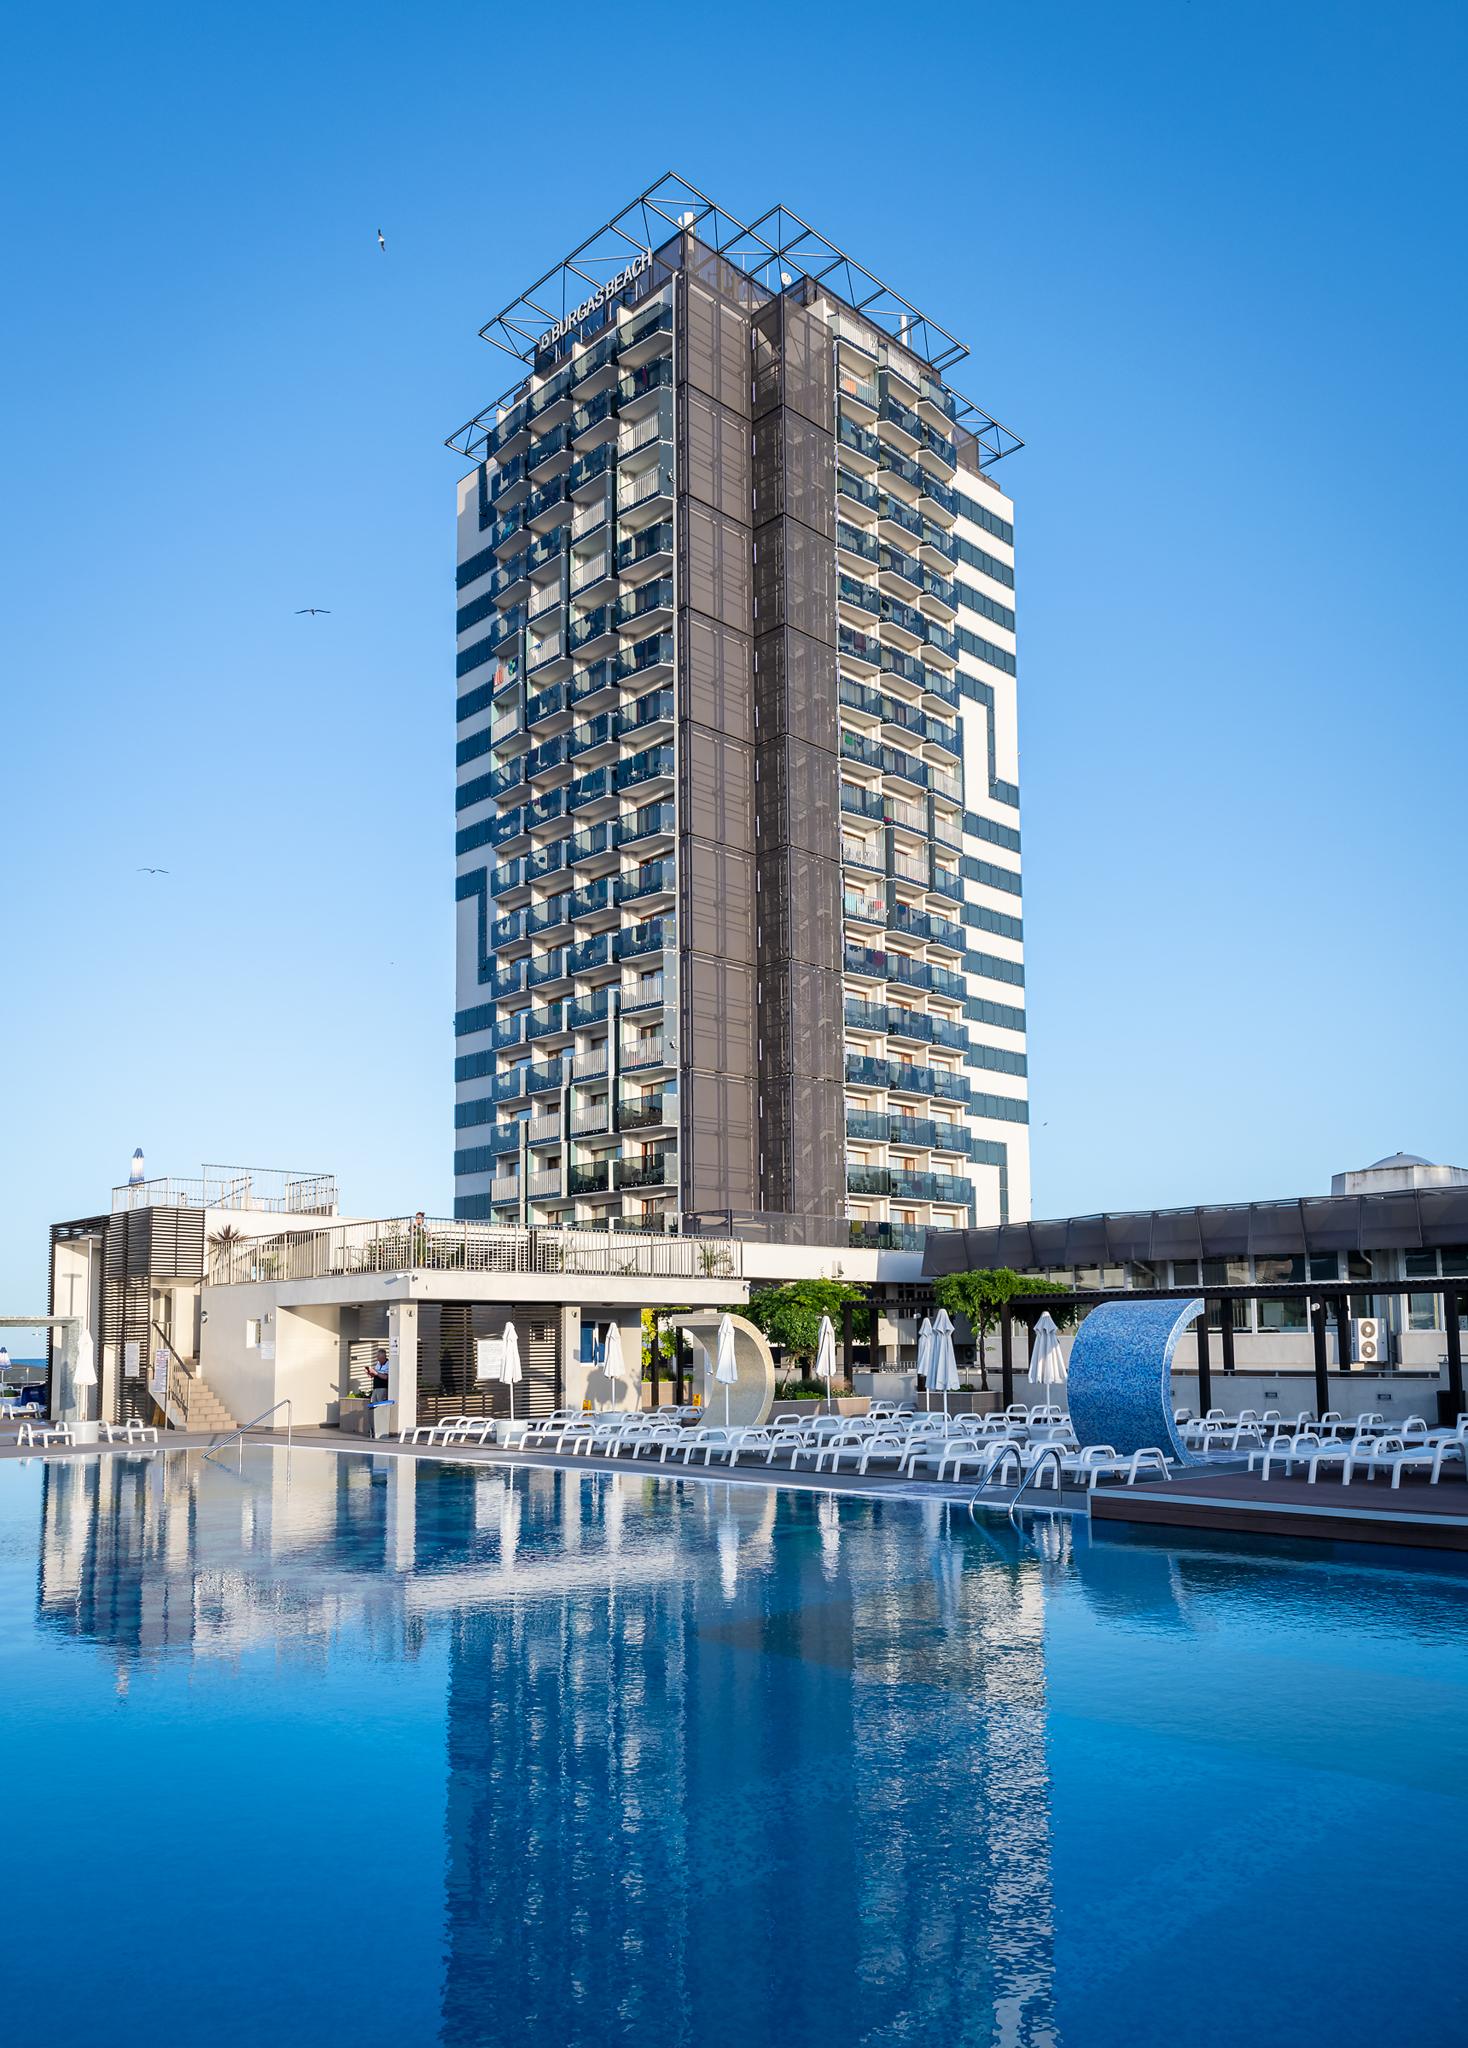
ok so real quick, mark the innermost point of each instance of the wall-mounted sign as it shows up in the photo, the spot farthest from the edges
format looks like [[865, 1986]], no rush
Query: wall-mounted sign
[[489, 1358], [602, 296], [132, 1358]]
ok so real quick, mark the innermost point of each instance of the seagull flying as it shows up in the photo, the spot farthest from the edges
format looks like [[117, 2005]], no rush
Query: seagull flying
[[312, 611], [382, 241], [153, 871]]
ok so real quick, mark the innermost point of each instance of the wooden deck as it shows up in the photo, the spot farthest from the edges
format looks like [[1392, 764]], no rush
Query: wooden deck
[[1415, 1514]]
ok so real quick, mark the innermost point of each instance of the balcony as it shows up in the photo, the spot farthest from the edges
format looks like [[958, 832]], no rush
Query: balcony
[[590, 1065], [645, 488], [893, 1237], [593, 632], [596, 685], [863, 909], [590, 955], [654, 652], [650, 821], [863, 498], [509, 876], [653, 878], [588, 1010], [547, 1023], [509, 980], [644, 714], [593, 1121], [656, 595], [861, 803], [596, 738], [544, 1187], [864, 963], [506, 1188], [865, 1016], [545, 809], [593, 900], [923, 924], [548, 704], [545, 1079], [588, 1178], [647, 1114], [545, 861], [656, 1172], [506, 931], [864, 1072], [641, 939], [642, 1052], [508, 1031], [645, 993], [653, 764], [545, 760], [650, 545], [594, 788], [546, 504], [543, 1130], [550, 967]]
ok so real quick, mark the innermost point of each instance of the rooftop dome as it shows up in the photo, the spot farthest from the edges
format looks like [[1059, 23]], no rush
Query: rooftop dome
[[1398, 1159]]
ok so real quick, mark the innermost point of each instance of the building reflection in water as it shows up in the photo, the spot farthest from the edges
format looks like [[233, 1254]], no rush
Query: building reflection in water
[[722, 1763]]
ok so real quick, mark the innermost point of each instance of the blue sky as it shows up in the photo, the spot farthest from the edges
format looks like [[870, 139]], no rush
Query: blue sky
[[1209, 261]]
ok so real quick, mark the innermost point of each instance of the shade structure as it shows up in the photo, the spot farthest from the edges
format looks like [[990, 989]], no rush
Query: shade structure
[[726, 1367], [826, 1353], [510, 1371], [943, 1368], [925, 1357], [1047, 1358]]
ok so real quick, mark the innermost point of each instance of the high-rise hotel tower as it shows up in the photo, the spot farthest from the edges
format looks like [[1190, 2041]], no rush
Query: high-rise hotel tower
[[738, 844]]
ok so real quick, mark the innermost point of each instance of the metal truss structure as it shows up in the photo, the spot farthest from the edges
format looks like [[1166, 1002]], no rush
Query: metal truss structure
[[778, 251]]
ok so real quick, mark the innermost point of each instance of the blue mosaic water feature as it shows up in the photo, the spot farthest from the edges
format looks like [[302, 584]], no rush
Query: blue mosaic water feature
[[1120, 1378], [339, 1749]]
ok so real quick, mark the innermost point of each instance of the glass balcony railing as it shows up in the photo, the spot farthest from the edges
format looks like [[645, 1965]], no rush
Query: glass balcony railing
[[654, 596], [589, 788], [507, 1031], [653, 878], [544, 809], [654, 376], [595, 732], [508, 1087], [654, 1172], [588, 467], [549, 967], [865, 1016], [508, 980], [510, 776], [591, 1179], [649, 937], [548, 916], [859, 595], [594, 896], [547, 1022], [655, 707], [645, 654], [546, 704], [546, 497], [640, 1116], [585, 845], [504, 931], [541, 1080], [653, 540], [509, 875], [859, 439], [859, 489], [589, 954], [587, 1010], [650, 765], [651, 821]]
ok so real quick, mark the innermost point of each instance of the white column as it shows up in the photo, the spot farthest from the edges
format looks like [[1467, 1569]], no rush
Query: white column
[[573, 1373], [402, 1362]]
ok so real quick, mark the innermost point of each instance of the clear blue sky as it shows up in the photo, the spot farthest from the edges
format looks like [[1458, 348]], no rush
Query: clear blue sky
[[1210, 263]]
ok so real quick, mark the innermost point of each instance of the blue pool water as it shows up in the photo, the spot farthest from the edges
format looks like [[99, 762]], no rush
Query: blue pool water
[[343, 1749]]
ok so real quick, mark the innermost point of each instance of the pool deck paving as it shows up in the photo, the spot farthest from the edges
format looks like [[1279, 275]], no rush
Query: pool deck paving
[[1415, 1515]]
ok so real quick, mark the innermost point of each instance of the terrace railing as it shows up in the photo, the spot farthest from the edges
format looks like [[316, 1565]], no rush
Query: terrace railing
[[401, 1243], [274, 1189]]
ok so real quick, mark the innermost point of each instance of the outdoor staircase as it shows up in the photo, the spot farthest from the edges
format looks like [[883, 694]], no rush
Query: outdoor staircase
[[203, 1411]]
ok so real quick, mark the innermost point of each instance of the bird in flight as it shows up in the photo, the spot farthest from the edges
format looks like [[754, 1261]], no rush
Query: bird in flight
[[153, 871], [382, 241], [313, 611]]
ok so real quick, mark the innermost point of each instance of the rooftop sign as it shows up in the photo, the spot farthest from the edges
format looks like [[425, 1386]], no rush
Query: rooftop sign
[[602, 296]]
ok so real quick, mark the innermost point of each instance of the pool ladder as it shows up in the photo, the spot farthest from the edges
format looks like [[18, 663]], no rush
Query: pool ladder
[[999, 1458]]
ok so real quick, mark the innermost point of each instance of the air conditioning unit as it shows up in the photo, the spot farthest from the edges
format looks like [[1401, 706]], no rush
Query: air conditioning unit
[[1371, 1341]]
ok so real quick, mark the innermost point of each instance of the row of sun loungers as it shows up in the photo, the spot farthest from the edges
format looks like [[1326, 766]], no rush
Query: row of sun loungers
[[989, 1449]]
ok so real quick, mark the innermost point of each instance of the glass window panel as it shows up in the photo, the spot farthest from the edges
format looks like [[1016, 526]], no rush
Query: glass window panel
[[1273, 1272], [1455, 1258], [1421, 1266], [1281, 1315], [1326, 1267], [1422, 1311], [1185, 1272]]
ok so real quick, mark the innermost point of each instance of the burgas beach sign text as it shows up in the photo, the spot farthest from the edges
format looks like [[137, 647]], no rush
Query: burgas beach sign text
[[602, 296]]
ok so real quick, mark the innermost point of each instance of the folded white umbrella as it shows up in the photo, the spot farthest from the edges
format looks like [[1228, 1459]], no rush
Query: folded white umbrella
[[925, 1358], [826, 1356], [510, 1371], [726, 1368], [1047, 1356], [84, 1373], [943, 1372], [612, 1363]]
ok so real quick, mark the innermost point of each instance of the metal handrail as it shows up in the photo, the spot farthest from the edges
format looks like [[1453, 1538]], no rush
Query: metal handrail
[[218, 1443], [1046, 1451], [997, 1456]]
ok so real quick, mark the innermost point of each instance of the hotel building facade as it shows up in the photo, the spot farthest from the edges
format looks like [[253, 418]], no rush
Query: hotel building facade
[[740, 940]]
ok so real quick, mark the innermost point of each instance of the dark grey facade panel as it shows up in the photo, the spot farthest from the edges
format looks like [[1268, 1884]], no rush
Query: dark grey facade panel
[[794, 473], [714, 565], [718, 676], [716, 914], [718, 901], [714, 457], [794, 364], [715, 357], [798, 693]]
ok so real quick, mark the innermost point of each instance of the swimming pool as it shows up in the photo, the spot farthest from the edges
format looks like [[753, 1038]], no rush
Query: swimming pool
[[344, 1748]]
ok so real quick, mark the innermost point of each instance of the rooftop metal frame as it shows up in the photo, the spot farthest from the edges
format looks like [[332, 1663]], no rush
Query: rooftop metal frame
[[778, 250]]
